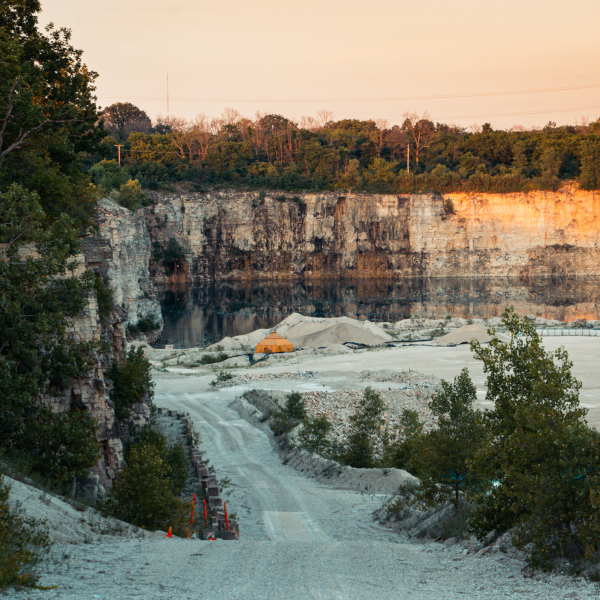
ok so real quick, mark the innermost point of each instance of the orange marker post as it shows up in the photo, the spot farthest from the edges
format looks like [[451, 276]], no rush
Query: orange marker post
[[226, 517], [170, 532]]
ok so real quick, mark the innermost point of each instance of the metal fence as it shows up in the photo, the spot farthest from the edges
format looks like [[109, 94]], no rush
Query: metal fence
[[569, 332]]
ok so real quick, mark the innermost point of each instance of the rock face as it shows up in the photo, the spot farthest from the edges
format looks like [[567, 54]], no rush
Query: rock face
[[238, 235], [124, 244], [91, 391]]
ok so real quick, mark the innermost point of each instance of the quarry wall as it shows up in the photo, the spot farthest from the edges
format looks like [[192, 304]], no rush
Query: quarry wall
[[246, 235]]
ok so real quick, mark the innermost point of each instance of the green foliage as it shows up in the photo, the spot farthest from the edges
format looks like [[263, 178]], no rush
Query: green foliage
[[449, 206], [39, 297], [365, 426], [294, 406], [144, 325], [131, 195], [442, 456], [104, 297], [143, 493], [207, 359], [132, 381], [315, 434], [399, 453], [281, 423], [174, 456], [542, 462], [590, 164], [272, 152], [171, 255], [49, 114], [25, 543], [108, 175], [222, 377]]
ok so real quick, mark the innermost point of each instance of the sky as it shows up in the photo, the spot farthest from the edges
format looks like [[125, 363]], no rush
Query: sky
[[463, 61]]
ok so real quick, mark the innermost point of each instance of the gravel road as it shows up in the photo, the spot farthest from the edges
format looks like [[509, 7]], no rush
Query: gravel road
[[300, 539]]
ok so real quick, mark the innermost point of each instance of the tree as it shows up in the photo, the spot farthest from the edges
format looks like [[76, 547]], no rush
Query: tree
[[590, 165], [420, 130], [25, 543], [365, 425], [143, 494], [294, 406], [398, 453], [541, 463], [123, 118], [132, 381], [315, 434], [442, 456], [47, 113], [40, 295]]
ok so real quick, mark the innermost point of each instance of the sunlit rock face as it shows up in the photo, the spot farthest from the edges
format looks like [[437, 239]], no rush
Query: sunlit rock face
[[238, 235]]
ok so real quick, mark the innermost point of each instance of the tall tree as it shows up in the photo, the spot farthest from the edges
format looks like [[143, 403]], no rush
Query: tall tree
[[47, 113]]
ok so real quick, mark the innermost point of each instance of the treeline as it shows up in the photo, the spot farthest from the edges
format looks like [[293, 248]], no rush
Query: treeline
[[271, 151]]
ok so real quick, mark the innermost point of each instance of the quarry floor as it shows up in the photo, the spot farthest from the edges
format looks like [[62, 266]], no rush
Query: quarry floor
[[299, 538]]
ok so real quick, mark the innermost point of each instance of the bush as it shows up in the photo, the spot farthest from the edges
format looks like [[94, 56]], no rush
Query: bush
[[24, 544], [207, 359], [132, 381], [222, 376], [104, 297], [315, 434], [294, 406], [542, 461], [143, 493], [282, 423], [399, 453], [442, 456], [144, 325], [131, 195], [365, 425]]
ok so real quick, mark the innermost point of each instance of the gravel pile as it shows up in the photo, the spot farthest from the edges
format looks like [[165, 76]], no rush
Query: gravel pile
[[339, 406], [250, 378]]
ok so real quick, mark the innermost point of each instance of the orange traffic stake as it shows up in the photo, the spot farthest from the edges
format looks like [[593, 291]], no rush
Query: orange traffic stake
[[170, 532], [226, 517], [205, 516]]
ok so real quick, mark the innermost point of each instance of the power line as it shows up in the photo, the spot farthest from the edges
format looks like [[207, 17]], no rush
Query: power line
[[527, 112], [375, 99], [361, 77]]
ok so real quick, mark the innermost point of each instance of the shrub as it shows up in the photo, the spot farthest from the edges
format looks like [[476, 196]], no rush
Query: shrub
[[282, 423], [143, 492], [399, 453], [222, 376], [541, 465], [144, 325], [315, 434], [171, 255], [294, 406], [131, 195], [442, 456], [132, 381], [207, 359], [365, 425], [104, 297], [24, 544], [449, 206]]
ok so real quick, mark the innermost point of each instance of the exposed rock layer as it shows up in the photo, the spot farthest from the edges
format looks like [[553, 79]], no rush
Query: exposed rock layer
[[238, 235]]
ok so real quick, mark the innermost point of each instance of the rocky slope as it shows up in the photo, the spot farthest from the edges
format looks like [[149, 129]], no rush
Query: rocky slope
[[246, 235]]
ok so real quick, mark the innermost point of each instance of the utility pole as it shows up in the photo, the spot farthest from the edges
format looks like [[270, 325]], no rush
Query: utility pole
[[167, 94], [119, 146], [408, 158]]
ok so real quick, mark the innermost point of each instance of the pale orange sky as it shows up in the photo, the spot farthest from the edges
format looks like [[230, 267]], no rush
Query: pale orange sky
[[219, 53]]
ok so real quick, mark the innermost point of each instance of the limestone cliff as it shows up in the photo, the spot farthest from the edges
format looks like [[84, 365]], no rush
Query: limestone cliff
[[245, 235], [124, 244]]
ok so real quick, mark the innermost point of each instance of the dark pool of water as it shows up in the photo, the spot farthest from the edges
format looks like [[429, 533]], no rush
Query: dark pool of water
[[198, 316]]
